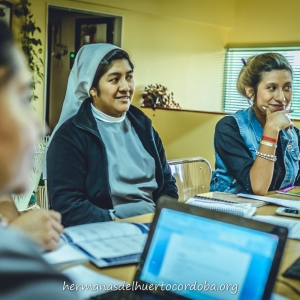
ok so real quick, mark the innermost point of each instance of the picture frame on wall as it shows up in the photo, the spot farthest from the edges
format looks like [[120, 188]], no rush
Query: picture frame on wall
[[93, 30], [6, 10]]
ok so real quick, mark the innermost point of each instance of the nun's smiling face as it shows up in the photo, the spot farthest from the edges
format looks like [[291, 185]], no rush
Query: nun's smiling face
[[116, 88]]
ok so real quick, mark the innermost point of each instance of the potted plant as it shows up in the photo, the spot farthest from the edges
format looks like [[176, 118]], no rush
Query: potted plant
[[31, 46], [157, 96]]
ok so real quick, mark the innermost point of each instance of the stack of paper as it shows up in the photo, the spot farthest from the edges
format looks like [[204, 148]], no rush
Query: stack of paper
[[280, 202], [64, 254], [292, 225]]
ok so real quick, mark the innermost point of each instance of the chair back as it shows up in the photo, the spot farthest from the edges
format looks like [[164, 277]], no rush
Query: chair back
[[192, 176], [22, 200], [42, 193]]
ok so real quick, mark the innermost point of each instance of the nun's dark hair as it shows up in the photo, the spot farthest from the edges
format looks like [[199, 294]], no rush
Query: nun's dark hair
[[106, 63]]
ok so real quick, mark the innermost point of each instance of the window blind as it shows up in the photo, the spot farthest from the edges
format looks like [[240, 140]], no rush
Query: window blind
[[232, 100]]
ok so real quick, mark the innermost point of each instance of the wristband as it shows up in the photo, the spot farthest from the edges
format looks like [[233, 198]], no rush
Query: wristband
[[273, 145], [266, 138], [112, 214]]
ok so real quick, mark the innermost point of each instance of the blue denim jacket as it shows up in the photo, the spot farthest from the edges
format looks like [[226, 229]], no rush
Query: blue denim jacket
[[251, 131]]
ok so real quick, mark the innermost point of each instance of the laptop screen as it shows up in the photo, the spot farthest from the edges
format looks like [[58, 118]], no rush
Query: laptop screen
[[208, 259]]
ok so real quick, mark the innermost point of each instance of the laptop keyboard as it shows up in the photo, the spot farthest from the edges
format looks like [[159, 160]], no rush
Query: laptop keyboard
[[125, 295]]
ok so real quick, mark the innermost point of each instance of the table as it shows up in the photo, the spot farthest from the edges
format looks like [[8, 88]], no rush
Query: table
[[291, 253]]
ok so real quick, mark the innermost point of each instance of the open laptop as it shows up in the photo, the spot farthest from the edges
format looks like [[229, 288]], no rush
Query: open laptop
[[195, 253]]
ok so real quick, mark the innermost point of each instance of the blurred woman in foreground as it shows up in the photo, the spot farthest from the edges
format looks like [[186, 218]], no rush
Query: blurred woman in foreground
[[23, 273]]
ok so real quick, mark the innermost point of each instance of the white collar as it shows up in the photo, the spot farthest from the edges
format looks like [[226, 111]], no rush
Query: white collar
[[98, 114]]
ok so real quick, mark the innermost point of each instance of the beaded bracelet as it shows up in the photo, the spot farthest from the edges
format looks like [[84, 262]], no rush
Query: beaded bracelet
[[273, 145], [266, 156], [266, 138]]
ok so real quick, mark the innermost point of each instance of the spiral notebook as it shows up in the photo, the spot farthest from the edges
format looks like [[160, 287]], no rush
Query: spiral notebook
[[239, 209]]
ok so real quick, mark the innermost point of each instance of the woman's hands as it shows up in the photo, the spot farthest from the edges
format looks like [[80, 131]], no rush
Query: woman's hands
[[42, 226], [261, 173], [278, 120]]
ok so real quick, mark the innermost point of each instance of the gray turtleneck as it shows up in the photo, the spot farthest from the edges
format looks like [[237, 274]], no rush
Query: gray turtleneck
[[131, 169]]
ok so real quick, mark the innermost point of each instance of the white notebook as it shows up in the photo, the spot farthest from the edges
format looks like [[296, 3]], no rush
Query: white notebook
[[240, 209]]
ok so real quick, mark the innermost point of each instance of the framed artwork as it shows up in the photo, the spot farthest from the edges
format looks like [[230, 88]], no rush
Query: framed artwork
[[6, 10], [93, 30]]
